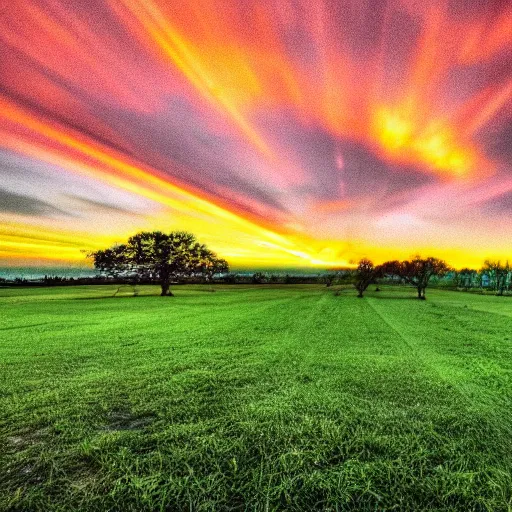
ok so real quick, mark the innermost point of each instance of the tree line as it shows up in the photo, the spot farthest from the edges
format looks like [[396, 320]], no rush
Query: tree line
[[419, 272], [167, 258], [494, 275]]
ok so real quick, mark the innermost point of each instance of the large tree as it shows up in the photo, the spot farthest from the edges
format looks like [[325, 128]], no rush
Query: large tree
[[163, 257], [417, 271]]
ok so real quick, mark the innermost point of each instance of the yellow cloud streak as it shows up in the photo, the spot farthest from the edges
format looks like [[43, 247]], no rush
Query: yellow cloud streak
[[189, 211], [182, 55]]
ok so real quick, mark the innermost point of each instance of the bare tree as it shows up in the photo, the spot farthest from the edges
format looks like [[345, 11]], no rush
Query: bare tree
[[366, 274], [417, 271], [330, 278]]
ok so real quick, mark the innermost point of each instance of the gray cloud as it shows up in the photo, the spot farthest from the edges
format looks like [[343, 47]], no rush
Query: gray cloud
[[366, 175], [179, 143], [25, 205], [499, 205], [497, 143], [462, 9], [100, 205], [363, 174]]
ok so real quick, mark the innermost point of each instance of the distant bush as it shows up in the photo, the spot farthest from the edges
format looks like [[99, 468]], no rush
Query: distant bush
[[230, 278], [258, 278]]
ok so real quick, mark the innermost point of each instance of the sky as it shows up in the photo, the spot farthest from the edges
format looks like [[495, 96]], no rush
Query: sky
[[281, 132]]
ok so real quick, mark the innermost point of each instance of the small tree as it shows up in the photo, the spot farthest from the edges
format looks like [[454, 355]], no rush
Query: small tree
[[258, 278], [230, 278], [366, 274], [417, 271], [158, 256], [330, 278]]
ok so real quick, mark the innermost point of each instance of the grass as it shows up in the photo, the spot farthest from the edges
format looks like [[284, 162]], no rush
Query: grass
[[254, 398]]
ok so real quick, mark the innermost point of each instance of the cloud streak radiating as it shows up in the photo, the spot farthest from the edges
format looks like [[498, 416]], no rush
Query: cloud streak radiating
[[282, 133]]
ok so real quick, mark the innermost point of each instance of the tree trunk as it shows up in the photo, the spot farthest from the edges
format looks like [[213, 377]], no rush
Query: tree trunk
[[166, 292], [421, 293], [360, 294]]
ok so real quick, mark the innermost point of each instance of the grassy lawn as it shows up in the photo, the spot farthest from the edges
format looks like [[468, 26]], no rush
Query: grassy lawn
[[254, 398]]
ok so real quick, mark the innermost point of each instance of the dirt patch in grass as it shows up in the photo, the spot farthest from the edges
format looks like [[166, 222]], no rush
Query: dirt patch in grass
[[27, 438], [125, 421]]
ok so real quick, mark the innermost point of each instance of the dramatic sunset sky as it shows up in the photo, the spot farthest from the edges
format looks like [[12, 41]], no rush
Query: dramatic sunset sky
[[280, 132]]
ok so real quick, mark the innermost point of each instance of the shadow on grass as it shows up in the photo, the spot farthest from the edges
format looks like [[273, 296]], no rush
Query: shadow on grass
[[24, 326], [96, 297], [391, 297]]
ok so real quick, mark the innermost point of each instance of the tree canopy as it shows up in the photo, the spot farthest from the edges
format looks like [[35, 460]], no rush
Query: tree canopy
[[163, 257]]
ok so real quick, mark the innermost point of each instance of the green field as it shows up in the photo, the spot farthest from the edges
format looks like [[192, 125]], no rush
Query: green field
[[254, 398]]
